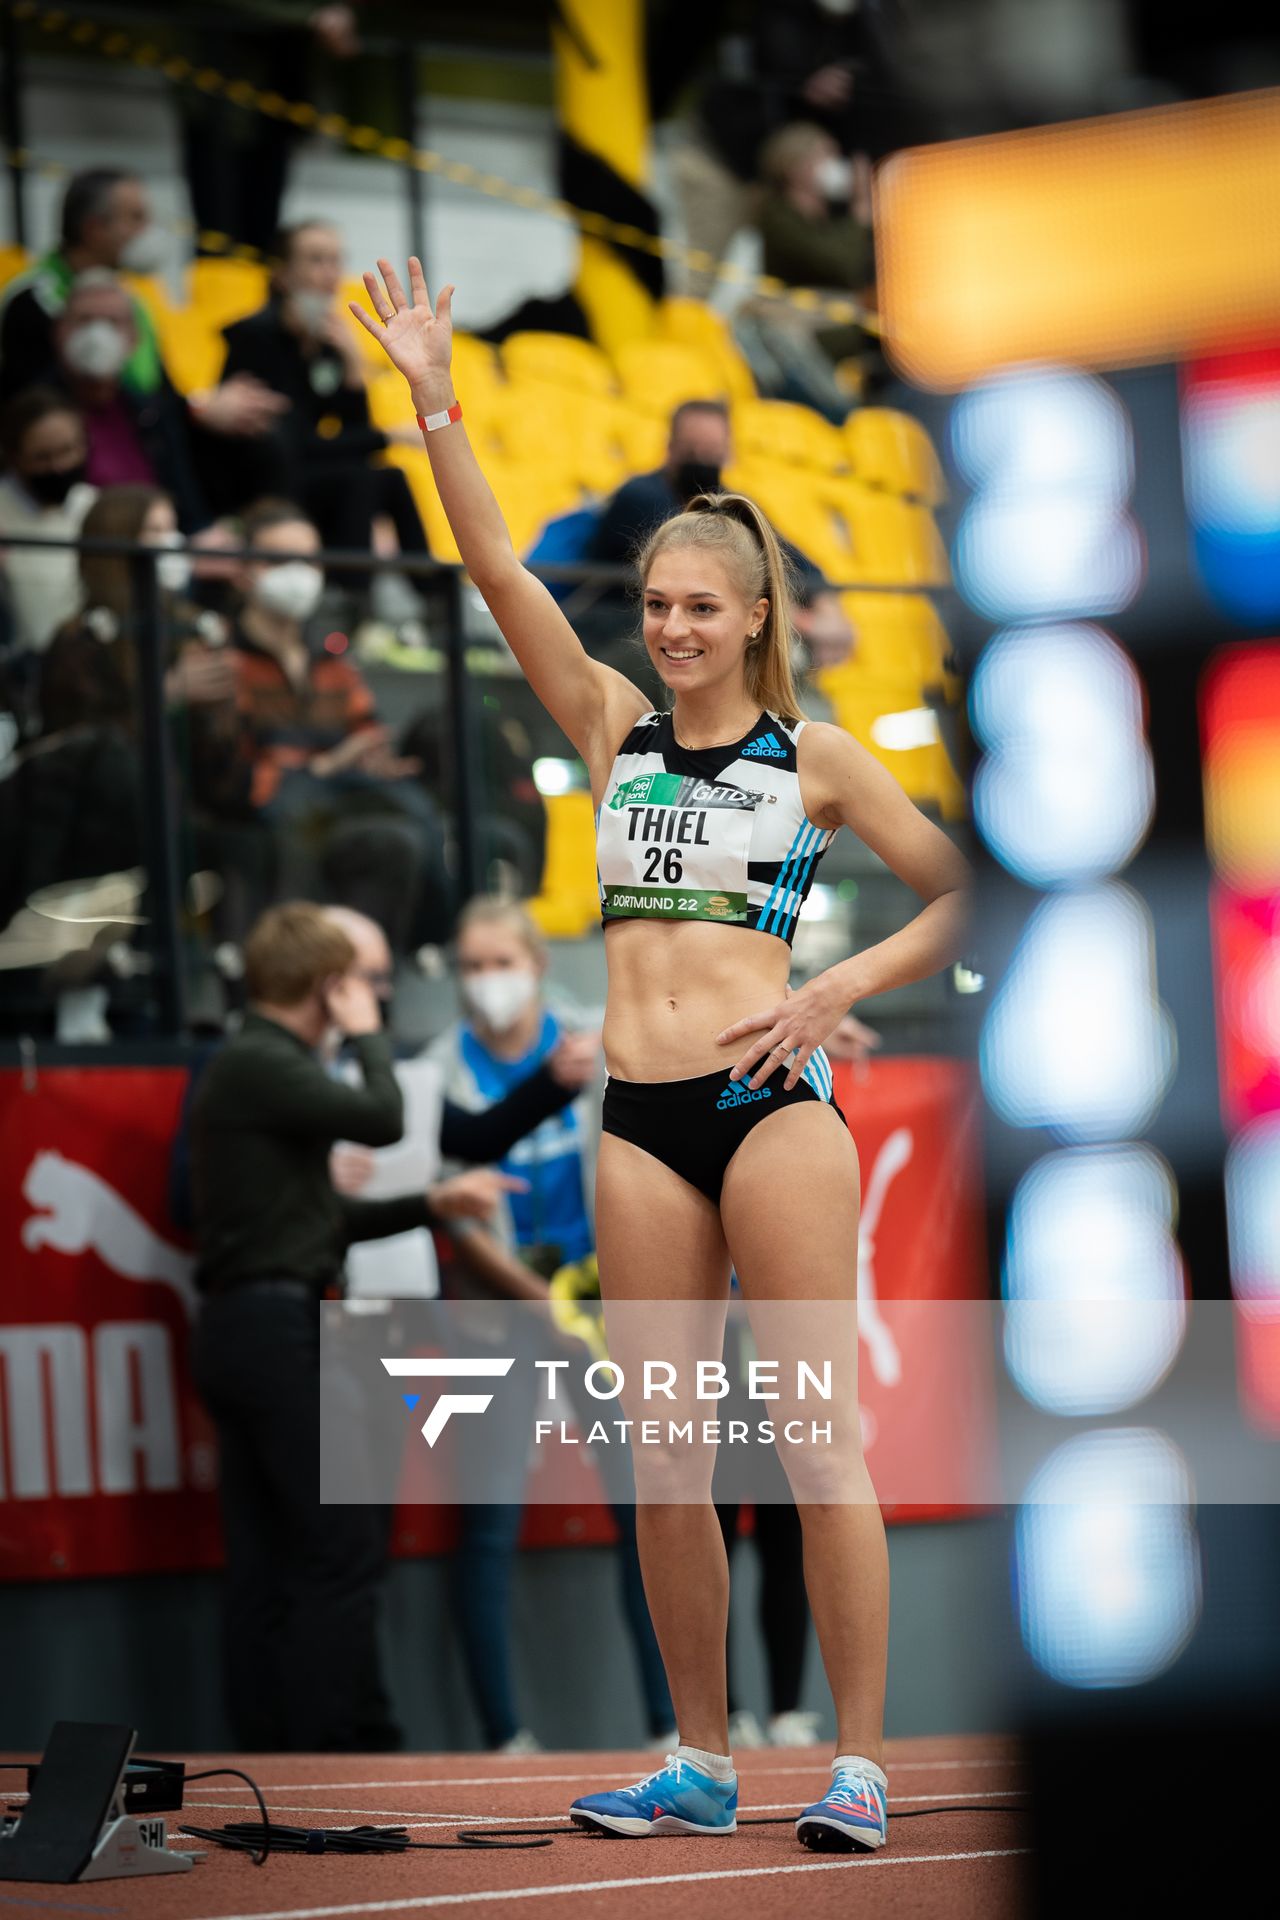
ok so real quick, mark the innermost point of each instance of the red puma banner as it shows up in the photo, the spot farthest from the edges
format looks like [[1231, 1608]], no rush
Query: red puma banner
[[915, 1123], [108, 1463]]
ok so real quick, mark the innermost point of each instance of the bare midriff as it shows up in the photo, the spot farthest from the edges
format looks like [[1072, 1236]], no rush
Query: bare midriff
[[673, 987]]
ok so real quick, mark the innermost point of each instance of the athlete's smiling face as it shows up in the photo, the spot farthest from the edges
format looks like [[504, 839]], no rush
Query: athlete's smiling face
[[696, 620]]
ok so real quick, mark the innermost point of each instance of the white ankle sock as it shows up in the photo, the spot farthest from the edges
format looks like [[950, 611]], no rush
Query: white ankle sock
[[718, 1765], [859, 1765]]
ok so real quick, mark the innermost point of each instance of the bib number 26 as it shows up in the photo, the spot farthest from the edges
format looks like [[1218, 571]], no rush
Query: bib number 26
[[663, 866]]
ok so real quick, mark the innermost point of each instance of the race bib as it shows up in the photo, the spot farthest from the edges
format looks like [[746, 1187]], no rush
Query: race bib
[[673, 847]]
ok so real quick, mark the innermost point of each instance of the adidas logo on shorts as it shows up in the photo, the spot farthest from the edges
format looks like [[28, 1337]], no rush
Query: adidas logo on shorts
[[736, 1095], [766, 746]]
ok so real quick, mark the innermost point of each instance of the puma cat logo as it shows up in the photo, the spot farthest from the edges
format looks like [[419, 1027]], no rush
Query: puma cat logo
[[882, 1348], [76, 1211]]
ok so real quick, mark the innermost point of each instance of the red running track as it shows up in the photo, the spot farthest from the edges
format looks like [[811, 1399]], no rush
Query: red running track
[[966, 1866]]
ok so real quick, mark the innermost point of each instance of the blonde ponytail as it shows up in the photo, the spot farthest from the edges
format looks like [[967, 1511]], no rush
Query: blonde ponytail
[[733, 526]]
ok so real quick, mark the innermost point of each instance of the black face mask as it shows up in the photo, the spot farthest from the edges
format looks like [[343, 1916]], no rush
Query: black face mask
[[692, 477], [51, 489]]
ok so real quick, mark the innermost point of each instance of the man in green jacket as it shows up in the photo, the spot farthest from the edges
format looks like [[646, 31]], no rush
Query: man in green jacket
[[303, 1582]]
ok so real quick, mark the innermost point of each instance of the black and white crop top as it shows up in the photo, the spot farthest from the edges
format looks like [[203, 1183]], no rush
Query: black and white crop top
[[717, 833]]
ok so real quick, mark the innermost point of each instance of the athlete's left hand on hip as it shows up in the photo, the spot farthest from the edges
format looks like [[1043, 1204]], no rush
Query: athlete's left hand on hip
[[787, 1033]]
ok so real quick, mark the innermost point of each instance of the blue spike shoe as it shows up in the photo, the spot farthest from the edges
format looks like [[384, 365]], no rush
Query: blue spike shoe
[[679, 1798], [852, 1816]]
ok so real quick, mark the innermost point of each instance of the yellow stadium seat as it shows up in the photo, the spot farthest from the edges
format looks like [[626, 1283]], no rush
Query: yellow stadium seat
[[389, 403], [567, 903], [698, 325], [13, 261], [152, 292], [559, 359], [765, 430], [574, 434], [658, 375], [901, 642], [796, 505], [225, 290], [193, 351], [924, 772], [475, 359], [642, 436], [528, 497], [891, 450], [416, 467], [891, 542]]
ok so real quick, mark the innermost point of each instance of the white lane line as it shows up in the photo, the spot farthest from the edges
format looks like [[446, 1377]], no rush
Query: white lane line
[[419, 1902], [427, 1817], [538, 1779]]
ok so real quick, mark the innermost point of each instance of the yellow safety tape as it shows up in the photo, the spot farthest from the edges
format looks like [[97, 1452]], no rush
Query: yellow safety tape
[[118, 45]]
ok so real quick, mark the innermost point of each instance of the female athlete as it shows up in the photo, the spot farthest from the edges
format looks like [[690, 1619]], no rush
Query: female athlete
[[722, 1145]]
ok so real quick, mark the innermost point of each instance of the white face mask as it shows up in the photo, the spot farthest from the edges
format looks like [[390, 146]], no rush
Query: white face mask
[[833, 177], [97, 349], [173, 570], [292, 589], [311, 309], [145, 253], [498, 999]]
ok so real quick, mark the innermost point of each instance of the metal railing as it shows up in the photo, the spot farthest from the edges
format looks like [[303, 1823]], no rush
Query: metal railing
[[161, 809]]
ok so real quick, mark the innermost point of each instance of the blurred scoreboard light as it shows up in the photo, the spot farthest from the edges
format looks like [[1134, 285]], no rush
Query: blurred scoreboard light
[[1109, 1583], [1132, 238], [1076, 1038], [1093, 1278], [1065, 788], [1240, 750], [1231, 465]]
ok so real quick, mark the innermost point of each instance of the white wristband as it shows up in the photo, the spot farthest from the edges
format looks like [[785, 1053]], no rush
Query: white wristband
[[429, 422]]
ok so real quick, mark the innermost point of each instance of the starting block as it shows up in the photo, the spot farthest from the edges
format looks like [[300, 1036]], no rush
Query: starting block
[[77, 1824]]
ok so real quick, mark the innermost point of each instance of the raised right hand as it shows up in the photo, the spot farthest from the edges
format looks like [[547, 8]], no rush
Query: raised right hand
[[417, 340]]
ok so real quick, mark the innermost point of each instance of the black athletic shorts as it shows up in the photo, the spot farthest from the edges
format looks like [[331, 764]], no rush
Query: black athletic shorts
[[695, 1126]]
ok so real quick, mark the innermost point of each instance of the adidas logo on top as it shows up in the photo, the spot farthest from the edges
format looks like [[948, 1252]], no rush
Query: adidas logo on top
[[766, 746], [739, 1094]]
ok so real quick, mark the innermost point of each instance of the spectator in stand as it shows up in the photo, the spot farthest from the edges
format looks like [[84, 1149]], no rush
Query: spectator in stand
[[839, 63], [81, 779], [236, 159], [815, 222], [699, 448], [107, 228], [106, 224], [509, 1030], [815, 219], [303, 1581], [826, 637], [317, 766], [44, 495], [437, 1129], [304, 347], [133, 438]]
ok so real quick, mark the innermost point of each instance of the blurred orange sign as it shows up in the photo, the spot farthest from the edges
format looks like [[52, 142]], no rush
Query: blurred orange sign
[[1136, 237]]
